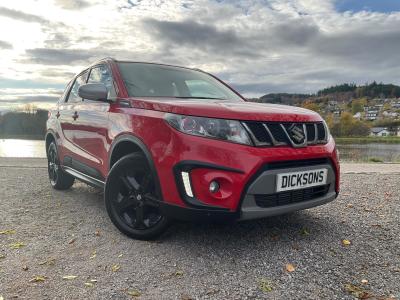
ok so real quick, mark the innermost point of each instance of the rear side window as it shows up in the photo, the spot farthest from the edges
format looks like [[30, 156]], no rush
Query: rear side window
[[102, 74], [73, 94]]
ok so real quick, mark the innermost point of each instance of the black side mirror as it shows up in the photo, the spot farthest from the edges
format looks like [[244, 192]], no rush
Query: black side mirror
[[93, 91]]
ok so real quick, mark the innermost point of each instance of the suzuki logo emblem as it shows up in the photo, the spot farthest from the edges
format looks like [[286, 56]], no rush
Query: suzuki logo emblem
[[296, 132]]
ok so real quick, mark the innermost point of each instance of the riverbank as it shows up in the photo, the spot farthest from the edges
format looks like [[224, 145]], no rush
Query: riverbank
[[368, 140], [38, 137]]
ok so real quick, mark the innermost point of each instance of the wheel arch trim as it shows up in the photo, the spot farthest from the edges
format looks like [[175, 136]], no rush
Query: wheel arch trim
[[48, 134], [142, 146]]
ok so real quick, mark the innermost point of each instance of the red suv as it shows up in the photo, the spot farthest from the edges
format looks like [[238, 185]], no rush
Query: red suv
[[168, 142]]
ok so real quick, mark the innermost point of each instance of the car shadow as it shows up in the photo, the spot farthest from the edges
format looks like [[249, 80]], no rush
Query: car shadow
[[288, 231]]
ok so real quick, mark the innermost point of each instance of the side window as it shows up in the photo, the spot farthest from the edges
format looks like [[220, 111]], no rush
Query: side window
[[63, 97], [73, 94], [102, 74]]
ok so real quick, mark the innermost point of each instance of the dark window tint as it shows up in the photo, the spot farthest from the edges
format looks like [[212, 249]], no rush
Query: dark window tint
[[73, 94], [152, 80], [102, 74]]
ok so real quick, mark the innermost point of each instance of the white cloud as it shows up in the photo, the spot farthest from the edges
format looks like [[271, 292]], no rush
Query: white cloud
[[258, 46]]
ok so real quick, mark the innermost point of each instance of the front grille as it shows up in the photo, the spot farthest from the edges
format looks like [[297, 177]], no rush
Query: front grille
[[289, 197], [292, 134]]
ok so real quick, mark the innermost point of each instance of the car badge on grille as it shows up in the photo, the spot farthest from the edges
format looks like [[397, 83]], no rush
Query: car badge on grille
[[296, 133]]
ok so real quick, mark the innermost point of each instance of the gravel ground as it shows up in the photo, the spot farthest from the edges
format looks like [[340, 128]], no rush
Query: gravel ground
[[69, 234]]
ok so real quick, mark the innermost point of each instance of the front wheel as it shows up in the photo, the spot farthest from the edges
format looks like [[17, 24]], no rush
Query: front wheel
[[59, 180], [131, 198]]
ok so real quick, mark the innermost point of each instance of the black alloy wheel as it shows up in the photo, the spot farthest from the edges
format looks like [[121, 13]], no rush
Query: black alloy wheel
[[132, 200], [58, 178]]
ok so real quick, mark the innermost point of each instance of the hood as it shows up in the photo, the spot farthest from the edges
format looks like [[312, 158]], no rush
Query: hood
[[225, 109]]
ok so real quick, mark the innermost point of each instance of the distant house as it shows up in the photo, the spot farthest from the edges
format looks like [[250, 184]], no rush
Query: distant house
[[379, 131], [357, 116], [390, 114], [371, 115]]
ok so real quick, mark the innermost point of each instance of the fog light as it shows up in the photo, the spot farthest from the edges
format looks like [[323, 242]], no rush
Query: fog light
[[186, 184], [214, 187]]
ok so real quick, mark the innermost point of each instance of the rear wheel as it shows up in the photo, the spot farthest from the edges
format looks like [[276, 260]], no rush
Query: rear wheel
[[131, 198], [59, 180]]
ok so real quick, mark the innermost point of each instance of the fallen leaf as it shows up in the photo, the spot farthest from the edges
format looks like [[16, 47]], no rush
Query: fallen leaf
[[186, 297], [48, 262], [94, 254], [275, 237], [93, 280], [69, 277], [17, 245], [364, 281], [376, 225], [265, 285], [178, 273], [97, 232], [304, 231], [7, 231], [71, 241], [134, 293], [346, 242], [349, 205], [296, 246], [89, 284], [357, 291], [38, 279], [212, 292], [25, 268], [115, 268], [290, 268], [120, 255], [2, 256]]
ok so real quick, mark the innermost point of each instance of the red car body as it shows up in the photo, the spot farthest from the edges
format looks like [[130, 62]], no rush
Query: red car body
[[92, 135]]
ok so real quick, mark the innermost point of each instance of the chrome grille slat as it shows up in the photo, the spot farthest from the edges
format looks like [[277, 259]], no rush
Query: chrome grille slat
[[299, 134]]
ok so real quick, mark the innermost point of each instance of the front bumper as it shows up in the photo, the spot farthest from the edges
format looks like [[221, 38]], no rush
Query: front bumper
[[235, 167], [261, 199]]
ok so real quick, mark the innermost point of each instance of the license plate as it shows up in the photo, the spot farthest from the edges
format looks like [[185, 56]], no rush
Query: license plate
[[300, 180]]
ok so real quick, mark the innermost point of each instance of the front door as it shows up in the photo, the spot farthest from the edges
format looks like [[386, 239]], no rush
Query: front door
[[92, 124], [67, 116]]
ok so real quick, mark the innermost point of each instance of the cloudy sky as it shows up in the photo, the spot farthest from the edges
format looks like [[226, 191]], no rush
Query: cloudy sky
[[258, 46]]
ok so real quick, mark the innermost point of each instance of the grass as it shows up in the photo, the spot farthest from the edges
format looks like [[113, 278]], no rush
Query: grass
[[375, 160], [368, 139]]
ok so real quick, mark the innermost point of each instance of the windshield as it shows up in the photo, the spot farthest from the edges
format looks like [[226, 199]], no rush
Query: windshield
[[152, 80]]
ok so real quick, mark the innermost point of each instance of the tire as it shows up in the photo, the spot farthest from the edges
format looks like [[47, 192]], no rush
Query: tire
[[132, 200], [59, 180]]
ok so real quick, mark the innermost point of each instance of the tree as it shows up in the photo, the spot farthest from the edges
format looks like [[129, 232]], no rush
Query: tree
[[310, 105], [358, 105]]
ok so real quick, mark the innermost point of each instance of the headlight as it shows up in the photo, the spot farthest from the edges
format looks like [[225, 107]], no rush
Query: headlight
[[227, 130]]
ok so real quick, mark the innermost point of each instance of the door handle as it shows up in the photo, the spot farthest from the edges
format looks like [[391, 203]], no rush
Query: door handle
[[75, 115]]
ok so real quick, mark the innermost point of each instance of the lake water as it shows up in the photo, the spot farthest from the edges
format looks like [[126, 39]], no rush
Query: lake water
[[350, 152], [22, 148], [366, 152]]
